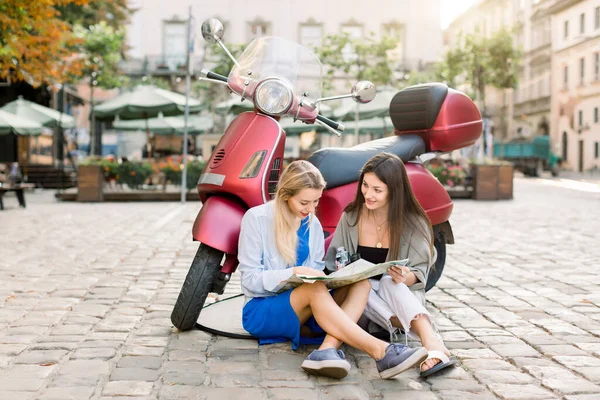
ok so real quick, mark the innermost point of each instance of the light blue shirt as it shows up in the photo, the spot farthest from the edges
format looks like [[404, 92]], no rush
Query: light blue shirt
[[261, 266]]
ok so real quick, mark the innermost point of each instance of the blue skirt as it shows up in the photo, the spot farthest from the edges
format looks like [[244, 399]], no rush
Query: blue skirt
[[273, 320]]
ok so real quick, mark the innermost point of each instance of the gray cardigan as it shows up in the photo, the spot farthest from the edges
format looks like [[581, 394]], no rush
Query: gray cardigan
[[412, 246]]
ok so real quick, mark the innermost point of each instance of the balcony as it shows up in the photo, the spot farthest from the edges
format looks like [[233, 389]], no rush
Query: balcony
[[158, 65]]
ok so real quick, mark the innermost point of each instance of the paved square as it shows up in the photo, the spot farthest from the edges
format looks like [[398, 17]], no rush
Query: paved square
[[87, 290]]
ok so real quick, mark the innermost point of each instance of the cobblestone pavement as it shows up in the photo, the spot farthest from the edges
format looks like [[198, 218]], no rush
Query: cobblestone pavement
[[87, 289]]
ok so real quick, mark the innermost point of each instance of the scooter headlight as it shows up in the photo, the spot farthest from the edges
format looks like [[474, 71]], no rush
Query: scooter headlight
[[273, 96]]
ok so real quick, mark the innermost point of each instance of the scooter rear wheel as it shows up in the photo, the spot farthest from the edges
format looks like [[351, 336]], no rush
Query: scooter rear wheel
[[198, 283], [435, 273]]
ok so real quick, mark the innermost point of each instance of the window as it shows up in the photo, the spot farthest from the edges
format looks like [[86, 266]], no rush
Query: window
[[596, 115], [580, 117], [582, 23], [566, 77], [581, 70], [597, 18], [311, 35], [597, 66], [174, 44], [354, 31], [258, 28], [596, 150], [396, 31], [566, 34]]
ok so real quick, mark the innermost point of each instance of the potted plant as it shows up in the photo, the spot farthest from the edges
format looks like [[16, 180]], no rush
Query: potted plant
[[492, 180]]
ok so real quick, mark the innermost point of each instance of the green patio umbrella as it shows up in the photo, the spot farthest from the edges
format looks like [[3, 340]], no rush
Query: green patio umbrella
[[145, 102], [235, 106], [37, 113], [11, 123], [167, 125], [379, 107], [375, 126]]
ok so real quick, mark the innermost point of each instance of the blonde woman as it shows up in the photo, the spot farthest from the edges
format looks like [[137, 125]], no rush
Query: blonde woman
[[282, 238]]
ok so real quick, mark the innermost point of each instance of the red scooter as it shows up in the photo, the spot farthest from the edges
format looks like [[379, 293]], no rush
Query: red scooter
[[283, 78]]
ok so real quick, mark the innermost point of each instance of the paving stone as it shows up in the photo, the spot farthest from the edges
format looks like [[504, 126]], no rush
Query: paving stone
[[350, 392], [460, 395], [283, 393], [16, 395], [487, 365], [561, 350], [127, 388], [521, 392], [503, 377], [515, 350], [183, 373], [140, 362], [94, 353], [134, 374], [562, 380], [469, 385], [410, 395], [234, 393], [69, 393], [40, 357]]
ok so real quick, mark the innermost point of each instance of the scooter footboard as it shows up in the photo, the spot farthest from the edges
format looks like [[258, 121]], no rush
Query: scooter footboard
[[430, 193], [218, 223]]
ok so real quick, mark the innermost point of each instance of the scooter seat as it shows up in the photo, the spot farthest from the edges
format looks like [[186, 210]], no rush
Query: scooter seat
[[340, 166]]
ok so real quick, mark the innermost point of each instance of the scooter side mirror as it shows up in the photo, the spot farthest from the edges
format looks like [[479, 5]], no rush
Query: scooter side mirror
[[363, 92], [212, 30]]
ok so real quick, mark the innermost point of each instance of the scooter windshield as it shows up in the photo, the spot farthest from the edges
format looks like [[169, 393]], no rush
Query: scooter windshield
[[275, 57]]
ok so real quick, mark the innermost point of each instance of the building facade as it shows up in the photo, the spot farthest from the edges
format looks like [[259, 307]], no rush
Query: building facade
[[531, 99], [156, 35], [486, 18], [575, 126]]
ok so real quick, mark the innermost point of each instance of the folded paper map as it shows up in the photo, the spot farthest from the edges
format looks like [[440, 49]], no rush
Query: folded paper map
[[351, 273]]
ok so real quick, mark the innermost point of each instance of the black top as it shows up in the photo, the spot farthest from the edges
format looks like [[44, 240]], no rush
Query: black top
[[372, 254]]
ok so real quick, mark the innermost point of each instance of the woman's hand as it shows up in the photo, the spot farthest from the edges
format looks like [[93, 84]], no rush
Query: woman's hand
[[307, 271], [399, 274]]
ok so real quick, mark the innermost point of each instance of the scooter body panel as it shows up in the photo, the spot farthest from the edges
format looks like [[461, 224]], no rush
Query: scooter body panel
[[247, 134]]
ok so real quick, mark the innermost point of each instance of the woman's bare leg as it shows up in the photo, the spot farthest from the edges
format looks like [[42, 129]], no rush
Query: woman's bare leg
[[352, 299], [314, 299]]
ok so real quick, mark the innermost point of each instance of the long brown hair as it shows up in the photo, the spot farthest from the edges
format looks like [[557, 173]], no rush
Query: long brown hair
[[297, 176], [403, 207]]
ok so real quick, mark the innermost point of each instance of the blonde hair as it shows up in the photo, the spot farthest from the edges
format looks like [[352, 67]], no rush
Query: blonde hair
[[297, 176]]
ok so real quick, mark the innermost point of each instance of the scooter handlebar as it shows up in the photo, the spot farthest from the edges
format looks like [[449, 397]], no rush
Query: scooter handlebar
[[214, 76], [331, 123]]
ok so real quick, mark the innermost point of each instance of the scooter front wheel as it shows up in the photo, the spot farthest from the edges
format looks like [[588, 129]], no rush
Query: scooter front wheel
[[198, 283]]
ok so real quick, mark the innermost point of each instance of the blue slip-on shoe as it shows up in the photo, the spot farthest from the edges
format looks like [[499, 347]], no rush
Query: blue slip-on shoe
[[329, 362], [398, 358]]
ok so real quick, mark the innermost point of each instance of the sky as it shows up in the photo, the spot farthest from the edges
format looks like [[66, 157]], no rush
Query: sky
[[451, 9]]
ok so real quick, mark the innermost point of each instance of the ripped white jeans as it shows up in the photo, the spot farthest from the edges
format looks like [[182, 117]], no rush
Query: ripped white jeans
[[387, 299]]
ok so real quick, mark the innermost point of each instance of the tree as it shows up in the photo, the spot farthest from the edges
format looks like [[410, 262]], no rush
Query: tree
[[100, 52], [359, 59], [481, 62], [114, 12], [34, 41], [37, 42]]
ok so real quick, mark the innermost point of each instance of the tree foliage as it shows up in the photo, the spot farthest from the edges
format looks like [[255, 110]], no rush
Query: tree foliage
[[358, 59], [480, 61], [114, 12], [100, 52], [38, 43]]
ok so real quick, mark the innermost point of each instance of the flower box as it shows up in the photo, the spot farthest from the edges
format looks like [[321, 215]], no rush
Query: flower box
[[492, 181]]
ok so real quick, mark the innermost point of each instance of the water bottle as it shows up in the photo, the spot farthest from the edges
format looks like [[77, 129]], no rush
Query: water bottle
[[341, 257]]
